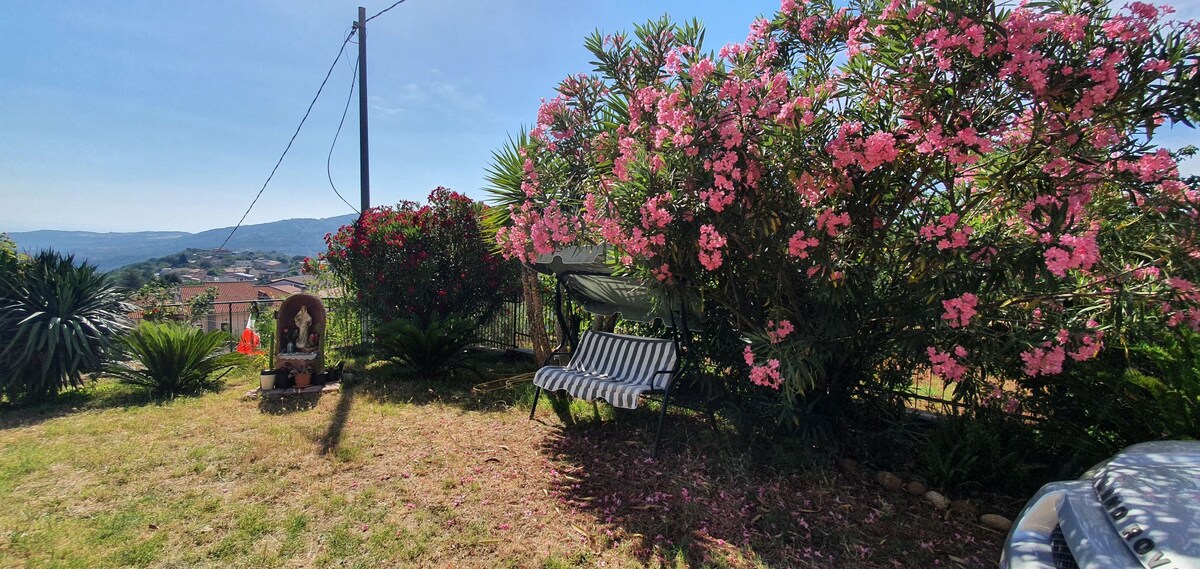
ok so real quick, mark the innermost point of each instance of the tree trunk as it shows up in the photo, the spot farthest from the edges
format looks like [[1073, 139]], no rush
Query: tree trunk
[[531, 290], [601, 323]]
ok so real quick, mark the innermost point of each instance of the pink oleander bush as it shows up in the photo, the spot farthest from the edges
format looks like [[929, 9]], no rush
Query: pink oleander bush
[[870, 190]]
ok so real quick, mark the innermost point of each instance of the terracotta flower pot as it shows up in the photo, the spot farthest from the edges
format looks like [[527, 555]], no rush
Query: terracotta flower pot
[[303, 379], [266, 380]]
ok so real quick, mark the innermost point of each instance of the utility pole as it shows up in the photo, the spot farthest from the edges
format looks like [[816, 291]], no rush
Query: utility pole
[[364, 153]]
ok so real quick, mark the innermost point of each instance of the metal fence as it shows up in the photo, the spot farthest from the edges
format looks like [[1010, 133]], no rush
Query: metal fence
[[342, 327], [227, 316], [509, 327], [929, 392]]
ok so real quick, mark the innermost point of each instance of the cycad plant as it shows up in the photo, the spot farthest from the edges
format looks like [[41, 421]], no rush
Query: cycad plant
[[58, 320], [172, 359], [428, 350]]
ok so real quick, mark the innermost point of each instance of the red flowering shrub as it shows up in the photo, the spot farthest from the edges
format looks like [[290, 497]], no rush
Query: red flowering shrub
[[889, 185], [422, 263]]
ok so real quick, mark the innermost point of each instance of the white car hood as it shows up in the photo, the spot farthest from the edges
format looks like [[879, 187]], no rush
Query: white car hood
[[1151, 495]]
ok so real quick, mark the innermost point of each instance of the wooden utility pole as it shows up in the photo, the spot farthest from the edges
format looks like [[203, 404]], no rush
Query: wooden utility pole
[[364, 153]]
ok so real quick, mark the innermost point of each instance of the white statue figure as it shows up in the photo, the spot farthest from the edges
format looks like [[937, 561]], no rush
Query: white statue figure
[[303, 321]]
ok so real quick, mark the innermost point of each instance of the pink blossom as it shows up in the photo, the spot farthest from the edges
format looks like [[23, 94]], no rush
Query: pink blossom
[[798, 245], [1156, 65], [663, 272], [1089, 347], [710, 242], [945, 365], [878, 149], [832, 223], [947, 233], [776, 332], [1043, 361], [959, 311], [701, 70], [1076, 253], [767, 375]]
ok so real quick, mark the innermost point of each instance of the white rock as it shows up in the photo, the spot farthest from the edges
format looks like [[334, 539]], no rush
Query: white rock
[[939, 501]]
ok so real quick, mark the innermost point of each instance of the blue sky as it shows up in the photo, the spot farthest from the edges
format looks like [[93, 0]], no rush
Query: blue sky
[[130, 115]]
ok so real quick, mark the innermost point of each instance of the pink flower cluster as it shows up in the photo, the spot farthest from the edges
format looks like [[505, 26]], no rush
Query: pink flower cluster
[[832, 223], [1048, 358], [1075, 253], [968, 37], [947, 233], [765, 375], [1152, 168], [848, 148], [959, 311], [798, 245], [945, 365], [1187, 315], [711, 243], [535, 232], [777, 331]]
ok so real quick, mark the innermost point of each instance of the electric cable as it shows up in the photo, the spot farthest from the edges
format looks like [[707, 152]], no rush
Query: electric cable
[[341, 50], [329, 157], [384, 10]]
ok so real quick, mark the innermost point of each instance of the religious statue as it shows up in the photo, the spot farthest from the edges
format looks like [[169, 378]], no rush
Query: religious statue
[[303, 321]]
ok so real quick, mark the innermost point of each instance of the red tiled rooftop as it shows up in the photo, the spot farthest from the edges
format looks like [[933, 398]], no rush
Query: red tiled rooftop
[[232, 292]]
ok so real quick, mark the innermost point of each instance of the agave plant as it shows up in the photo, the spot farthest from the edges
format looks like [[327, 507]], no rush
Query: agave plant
[[58, 320], [171, 359]]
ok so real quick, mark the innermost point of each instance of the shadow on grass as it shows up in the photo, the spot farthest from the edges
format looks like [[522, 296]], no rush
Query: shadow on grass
[[288, 404], [95, 395], [713, 499], [337, 423], [393, 384]]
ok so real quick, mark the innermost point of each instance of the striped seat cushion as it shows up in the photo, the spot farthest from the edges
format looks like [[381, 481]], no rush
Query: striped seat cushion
[[612, 367]]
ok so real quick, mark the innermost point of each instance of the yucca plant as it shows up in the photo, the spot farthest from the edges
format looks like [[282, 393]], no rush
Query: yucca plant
[[426, 350], [58, 320], [171, 359]]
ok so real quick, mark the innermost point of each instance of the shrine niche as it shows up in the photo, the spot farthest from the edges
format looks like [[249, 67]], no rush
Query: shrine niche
[[300, 341]]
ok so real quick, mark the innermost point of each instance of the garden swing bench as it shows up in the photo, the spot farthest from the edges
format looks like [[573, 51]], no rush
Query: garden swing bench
[[617, 368]]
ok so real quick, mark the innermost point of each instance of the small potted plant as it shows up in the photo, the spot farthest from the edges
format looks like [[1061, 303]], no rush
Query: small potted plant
[[302, 376], [267, 377]]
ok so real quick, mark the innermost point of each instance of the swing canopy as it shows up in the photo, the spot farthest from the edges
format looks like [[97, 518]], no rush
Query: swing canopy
[[587, 276]]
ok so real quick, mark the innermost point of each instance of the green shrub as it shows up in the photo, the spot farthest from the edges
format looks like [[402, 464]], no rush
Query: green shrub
[[426, 350], [1146, 389], [983, 450], [58, 320], [420, 262], [171, 359]]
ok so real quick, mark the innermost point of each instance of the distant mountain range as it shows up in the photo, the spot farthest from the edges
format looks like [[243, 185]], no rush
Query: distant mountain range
[[111, 250]]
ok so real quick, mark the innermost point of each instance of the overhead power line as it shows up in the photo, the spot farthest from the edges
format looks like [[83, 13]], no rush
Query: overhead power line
[[341, 49], [381, 12], [329, 157]]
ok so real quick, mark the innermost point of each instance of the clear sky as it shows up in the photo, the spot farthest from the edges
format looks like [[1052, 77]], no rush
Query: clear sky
[[132, 115]]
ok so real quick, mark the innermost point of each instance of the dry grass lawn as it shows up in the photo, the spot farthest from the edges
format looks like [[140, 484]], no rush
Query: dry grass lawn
[[406, 473]]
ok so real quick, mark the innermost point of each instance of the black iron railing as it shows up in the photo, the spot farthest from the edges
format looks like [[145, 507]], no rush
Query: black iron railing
[[508, 328]]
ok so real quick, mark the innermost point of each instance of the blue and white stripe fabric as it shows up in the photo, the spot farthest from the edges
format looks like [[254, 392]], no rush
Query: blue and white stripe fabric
[[612, 367]]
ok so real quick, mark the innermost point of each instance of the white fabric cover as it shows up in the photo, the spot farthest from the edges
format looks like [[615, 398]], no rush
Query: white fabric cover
[[612, 367]]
